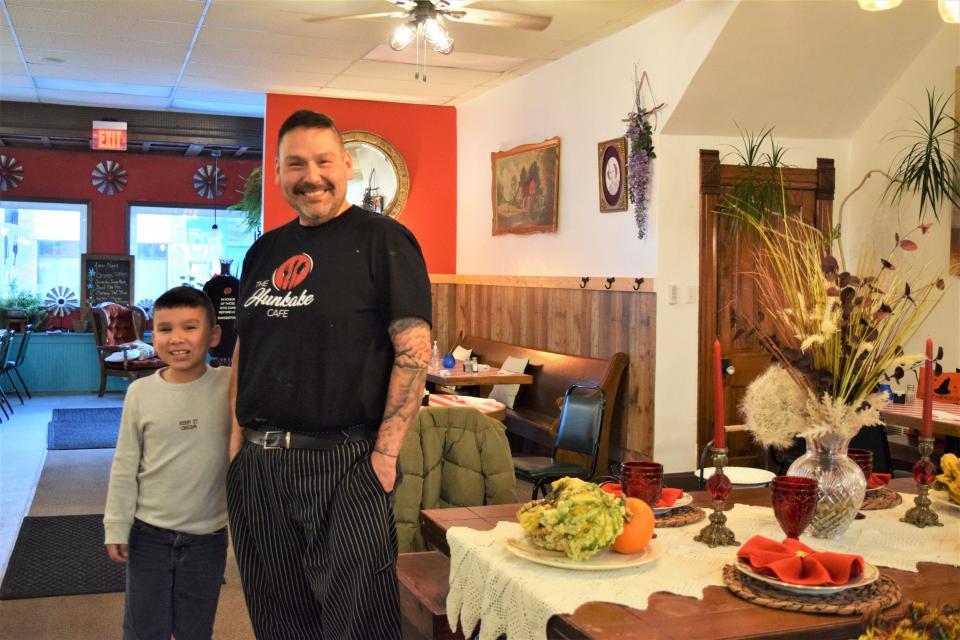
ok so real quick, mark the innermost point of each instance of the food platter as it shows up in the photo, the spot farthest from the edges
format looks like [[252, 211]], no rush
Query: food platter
[[869, 575], [682, 501], [743, 477], [942, 499], [604, 561]]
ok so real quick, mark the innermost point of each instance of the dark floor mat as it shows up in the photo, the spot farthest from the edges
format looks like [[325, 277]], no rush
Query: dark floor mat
[[60, 556], [92, 428]]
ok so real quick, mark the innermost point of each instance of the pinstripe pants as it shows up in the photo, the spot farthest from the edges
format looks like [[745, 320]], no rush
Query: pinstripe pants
[[316, 542]]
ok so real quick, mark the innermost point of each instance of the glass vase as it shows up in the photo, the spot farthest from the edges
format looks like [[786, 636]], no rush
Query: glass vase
[[840, 484]]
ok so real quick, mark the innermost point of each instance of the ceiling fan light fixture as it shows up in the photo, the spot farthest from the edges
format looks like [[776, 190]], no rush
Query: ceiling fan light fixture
[[878, 5], [437, 36], [403, 36], [949, 10]]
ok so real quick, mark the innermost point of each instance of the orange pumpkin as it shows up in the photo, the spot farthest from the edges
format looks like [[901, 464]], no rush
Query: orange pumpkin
[[637, 527]]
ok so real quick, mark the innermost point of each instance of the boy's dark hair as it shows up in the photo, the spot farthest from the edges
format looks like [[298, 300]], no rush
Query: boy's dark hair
[[309, 120], [179, 297]]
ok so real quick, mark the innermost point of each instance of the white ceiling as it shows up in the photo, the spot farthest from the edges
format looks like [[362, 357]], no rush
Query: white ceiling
[[222, 56]]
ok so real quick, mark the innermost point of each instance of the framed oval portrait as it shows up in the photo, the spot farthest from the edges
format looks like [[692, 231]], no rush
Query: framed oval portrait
[[612, 171]]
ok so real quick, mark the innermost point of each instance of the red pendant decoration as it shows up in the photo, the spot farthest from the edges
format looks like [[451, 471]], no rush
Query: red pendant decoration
[[11, 173], [109, 177]]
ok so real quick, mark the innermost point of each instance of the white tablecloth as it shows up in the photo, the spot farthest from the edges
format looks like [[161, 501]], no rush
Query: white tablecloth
[[516, 597]]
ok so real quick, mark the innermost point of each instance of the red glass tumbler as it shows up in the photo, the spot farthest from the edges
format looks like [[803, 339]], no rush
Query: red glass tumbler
[[864, 460], [642, 479], [794, 503]]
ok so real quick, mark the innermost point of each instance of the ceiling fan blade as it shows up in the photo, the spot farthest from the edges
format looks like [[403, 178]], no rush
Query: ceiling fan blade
[[490, 18], [357, 16]]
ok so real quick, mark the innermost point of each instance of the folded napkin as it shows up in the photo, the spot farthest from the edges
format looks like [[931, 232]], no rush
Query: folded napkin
[[667, 495], [878, 480], [795, 563]]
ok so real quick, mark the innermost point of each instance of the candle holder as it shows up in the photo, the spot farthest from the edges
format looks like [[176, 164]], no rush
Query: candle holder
[[924, 473], [717, 533]]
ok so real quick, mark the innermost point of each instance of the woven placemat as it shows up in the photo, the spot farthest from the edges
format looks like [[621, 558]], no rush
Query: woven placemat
[[882, 498], [680, 517], [879, 595]]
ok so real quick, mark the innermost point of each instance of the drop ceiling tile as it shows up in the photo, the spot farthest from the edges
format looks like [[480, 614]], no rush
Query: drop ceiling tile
[[412, 98], [131, 62], [19, 94], [267, 60], [393, 71], [411, 86], [256, 16], [116, 46], [222, 95], [9, 78], [99, 25], [94, 73], [255, 84], [187, 11], [105, 99], [199, 71], [247, 41]]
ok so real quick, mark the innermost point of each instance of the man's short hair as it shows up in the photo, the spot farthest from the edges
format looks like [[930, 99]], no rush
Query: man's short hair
[[309, 120], [180, 297]]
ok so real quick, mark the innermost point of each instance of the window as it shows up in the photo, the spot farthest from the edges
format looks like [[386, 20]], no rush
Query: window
[[171, 245], [42, 243]]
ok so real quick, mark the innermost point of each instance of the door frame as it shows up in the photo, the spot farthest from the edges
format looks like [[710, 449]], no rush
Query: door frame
[[715, 176]]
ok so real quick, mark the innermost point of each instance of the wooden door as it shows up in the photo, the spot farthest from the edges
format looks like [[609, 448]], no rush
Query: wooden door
[[729, 305]]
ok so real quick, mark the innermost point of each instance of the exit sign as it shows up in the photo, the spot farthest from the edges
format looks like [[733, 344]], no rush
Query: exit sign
[[109, 136]]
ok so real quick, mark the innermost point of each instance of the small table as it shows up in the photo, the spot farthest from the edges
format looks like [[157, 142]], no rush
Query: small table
[[486, 406], [719, 614], [457, 377], [909, 415]]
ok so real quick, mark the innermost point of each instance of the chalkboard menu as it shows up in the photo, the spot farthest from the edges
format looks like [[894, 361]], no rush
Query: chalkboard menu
[[106, 278]]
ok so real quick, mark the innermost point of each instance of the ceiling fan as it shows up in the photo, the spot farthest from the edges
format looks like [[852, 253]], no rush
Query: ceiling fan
[[426, 17]]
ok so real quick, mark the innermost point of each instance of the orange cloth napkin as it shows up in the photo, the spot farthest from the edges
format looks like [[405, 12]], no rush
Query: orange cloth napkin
[[667, 495], [796, 563], [878, 480]]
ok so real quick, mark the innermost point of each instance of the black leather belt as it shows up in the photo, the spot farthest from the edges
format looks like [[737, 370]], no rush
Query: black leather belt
[[270, 439]]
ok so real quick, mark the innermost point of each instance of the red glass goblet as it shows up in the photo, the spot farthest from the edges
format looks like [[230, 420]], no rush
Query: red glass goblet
[[643, 480], [864, 460], [794, 503]]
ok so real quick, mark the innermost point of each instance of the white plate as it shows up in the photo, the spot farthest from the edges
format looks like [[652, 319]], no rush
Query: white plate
[[743, 477], [682, 501], [942, 499], [869, 575], [603, 561]]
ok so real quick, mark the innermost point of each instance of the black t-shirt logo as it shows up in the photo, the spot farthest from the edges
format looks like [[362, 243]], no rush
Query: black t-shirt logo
[[292, 272]]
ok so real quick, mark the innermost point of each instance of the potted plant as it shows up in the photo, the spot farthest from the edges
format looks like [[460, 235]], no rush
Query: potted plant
[[21, 305], [252, 202]]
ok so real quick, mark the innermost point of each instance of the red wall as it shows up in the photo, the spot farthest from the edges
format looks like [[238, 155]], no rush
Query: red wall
[[425, 135], [154, 179]]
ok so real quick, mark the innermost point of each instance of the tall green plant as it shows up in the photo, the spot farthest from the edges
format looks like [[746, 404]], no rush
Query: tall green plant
[[759, 192], [251, 204]]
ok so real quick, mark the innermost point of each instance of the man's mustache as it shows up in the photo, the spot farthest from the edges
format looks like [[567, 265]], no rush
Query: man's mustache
[[305, 187]]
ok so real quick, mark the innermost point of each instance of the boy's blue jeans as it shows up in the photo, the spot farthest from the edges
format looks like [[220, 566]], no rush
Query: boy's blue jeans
[[173, 583]]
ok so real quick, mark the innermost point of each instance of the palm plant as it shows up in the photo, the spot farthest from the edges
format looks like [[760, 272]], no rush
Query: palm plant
[[251, 204], [759, 192]]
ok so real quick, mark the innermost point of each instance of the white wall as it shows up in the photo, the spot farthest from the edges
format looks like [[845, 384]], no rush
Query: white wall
[[870, 226], [582, 98]]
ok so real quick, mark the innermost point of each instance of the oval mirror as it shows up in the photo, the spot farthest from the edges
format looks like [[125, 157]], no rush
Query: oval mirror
[[380, 182]]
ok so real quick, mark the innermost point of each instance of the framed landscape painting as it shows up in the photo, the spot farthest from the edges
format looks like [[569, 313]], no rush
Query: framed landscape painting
[[525, 187]]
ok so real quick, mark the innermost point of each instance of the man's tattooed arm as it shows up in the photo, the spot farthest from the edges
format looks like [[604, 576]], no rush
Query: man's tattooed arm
[[411, 345]]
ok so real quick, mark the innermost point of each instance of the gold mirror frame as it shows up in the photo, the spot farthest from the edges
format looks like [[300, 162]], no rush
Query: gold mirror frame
[[395, 207]]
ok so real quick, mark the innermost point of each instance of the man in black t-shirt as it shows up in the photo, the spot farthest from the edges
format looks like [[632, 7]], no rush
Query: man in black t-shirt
[[333, 323]]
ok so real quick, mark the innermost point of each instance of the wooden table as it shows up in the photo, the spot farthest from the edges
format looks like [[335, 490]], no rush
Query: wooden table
[[719, 614], [456, 377], [908, 415]]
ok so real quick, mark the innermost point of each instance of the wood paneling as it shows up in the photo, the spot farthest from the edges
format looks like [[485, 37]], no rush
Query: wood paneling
[[586, 322]]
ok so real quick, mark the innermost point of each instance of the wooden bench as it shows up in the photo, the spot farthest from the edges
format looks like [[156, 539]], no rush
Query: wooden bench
[[536, 411], [424, 584]]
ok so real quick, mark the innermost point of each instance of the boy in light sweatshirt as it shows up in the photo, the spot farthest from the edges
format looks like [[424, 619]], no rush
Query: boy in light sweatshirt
[[166, 511]]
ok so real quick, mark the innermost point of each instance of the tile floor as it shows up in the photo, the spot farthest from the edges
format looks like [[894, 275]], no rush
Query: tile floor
[[23, 448]]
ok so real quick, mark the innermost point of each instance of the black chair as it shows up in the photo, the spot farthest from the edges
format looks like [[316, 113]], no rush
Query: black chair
[[14, 364], [581, 420], [6, 336]]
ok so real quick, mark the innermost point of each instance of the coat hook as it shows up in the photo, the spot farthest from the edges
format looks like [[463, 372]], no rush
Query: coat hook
[[636, 283], [609, 282], [583, 282]]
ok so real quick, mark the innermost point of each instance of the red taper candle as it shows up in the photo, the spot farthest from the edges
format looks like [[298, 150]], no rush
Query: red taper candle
[[719, 433], [926, 426]]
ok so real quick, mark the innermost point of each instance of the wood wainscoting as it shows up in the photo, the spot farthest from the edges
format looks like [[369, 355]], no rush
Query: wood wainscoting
[[556, 314]]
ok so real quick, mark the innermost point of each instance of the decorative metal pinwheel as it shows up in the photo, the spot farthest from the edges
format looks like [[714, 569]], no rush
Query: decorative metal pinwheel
[[109, 177], [147, 305], [209, 182], [61, 301], [11, 173]]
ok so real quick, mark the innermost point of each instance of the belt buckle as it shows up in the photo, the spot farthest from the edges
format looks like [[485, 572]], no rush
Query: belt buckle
[[272, 438]]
